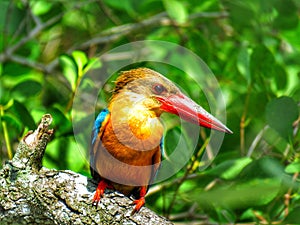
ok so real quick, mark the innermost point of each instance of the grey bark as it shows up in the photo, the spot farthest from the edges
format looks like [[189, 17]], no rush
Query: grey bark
[[32, 194]]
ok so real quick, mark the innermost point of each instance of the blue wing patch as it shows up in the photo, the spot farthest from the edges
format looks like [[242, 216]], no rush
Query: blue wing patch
[[98, 123], [161, 145]]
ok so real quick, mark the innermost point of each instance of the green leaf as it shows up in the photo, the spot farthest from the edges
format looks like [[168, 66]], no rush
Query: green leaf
[[243, 62], [93, 63], [75, 157], [274, 139], [281, 77], [8, 104], [15, 70], [176, 10], [241, 13], [60, 122], [69, 70], [293, 216], [22, 113], [40, 7], [286, 22], [230, 168], [172, 142], [254, 192], [262, 63], [12, 121], [26, 89], [126, 5], [80, 60], [293, 168], [265, 167], [280, 115], [287, 14]]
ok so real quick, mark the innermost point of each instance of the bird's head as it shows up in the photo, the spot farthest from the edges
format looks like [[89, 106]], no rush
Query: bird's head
[[161, 95]]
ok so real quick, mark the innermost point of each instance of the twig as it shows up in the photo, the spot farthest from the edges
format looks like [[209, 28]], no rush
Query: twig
[[287, 196], [8, 52], [104, 37], [108, 12], [33, 33], [260, 217], [30, 63], [190, 214], [243, 120], [209, 15], [5, 32], [115, 33], [256, 140], [170, 183]]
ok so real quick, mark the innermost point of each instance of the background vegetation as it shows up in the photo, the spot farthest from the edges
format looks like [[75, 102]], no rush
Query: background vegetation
[[253, 49]]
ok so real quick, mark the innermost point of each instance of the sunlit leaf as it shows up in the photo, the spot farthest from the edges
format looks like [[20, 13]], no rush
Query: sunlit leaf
[[41, 7], [81, 60], [176, 10], [8, 104], [229, 169], [93, 63], [293, 167]]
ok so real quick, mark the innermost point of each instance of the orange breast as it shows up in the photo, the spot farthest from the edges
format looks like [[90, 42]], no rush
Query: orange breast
[[130, 150]]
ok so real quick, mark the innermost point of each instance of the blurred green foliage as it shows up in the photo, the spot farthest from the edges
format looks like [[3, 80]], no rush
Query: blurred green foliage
[[251, 46]]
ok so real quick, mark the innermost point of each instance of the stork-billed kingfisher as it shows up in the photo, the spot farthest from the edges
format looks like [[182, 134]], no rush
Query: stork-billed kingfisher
[[127, 136]]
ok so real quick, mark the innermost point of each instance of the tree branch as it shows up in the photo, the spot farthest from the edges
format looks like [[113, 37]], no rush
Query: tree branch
[[107, 36], [32, 194]]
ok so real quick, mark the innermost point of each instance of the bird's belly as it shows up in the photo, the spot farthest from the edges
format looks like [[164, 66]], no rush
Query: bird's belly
[[130, 169], [126, 159]]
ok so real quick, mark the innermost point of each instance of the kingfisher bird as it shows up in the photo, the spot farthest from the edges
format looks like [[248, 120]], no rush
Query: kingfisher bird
[[127, 137]]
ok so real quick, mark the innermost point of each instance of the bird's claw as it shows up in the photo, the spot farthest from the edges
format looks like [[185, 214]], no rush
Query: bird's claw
[[99, 192], [96, 199], [138, 205]]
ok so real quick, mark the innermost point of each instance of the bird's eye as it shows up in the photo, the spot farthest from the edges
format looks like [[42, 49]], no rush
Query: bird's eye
[[158, 88]]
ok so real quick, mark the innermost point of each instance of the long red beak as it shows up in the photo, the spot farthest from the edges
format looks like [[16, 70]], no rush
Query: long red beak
[[190, 111]]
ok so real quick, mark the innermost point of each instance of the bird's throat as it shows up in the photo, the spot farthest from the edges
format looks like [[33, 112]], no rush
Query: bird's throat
[[135, 125]]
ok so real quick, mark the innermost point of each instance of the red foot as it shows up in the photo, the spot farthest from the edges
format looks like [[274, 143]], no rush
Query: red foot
[[99, 192], [141, 201], [138, 204]]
